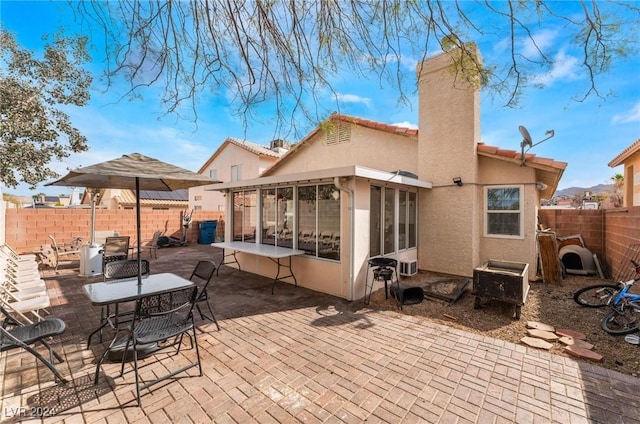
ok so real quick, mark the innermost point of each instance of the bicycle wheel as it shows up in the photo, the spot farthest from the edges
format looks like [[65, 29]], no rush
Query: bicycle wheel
[[622, 322], [595, 296]]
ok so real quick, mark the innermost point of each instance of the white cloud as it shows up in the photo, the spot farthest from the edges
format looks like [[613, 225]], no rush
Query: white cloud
[[538, 41], [564, 68], [632, 115], [406, 124], [353, 98]]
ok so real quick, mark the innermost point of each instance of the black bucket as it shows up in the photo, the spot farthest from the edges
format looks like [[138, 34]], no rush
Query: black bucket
[[408, 295]]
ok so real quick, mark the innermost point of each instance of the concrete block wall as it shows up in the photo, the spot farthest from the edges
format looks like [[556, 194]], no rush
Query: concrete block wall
[[28, 229], [622, 230], [606, 232]]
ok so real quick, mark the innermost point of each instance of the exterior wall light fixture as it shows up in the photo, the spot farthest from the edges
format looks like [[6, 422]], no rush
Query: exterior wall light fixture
[[457, 181]]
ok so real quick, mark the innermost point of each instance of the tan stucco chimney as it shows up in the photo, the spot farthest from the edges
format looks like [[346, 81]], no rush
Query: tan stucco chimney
[[449, 128]]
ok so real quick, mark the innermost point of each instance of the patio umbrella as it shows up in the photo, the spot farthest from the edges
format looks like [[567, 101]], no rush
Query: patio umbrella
[[134, 172]]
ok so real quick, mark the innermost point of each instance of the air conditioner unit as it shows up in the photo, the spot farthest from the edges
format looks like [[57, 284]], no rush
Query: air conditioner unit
[[408, 268]]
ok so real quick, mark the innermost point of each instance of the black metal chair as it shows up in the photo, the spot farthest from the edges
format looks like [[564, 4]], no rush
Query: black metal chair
[[157, 319], [23, 336], [204, 272], [117, 270]]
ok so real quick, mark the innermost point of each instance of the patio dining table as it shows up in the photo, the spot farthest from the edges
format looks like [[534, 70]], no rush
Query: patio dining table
[[114, 292]]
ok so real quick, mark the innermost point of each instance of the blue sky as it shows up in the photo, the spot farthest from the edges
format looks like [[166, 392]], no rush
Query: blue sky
[[588, 134]]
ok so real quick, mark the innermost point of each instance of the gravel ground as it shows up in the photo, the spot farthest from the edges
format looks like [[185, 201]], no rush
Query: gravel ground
[[546, 303]]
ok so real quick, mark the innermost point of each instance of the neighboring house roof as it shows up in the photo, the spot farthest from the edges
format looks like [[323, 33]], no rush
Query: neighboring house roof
[[625, 154], [548, 171], [155, 198], [393, 129], [254, 148], [147, 198]]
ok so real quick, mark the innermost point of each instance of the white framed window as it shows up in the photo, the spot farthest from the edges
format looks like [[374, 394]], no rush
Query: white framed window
[[504, 211], [393, 216], [213, 174]]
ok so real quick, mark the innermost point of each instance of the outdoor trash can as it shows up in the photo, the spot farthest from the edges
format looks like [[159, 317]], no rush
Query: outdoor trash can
[[207, 232]]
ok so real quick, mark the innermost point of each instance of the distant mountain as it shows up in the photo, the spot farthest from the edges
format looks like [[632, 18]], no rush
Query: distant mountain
[[572, 191]]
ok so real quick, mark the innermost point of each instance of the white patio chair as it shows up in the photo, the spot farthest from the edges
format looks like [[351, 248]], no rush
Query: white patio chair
[[25, 308]]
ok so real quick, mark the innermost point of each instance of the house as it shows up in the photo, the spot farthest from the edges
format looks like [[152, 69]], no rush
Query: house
[[234, 160], [111, 198], [435, 197], [629, 158]]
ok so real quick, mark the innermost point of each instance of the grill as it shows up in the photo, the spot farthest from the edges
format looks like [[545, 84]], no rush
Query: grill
[[503, 281]]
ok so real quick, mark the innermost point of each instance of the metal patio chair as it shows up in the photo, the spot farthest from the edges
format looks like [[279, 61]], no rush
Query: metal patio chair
[[117, 270], [204, 272], [23, 336], [157, 319]]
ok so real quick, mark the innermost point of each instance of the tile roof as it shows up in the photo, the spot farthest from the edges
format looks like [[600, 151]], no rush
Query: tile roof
[[394, 129], [512, 155], [548, 171], [254, 148], [625, 154]]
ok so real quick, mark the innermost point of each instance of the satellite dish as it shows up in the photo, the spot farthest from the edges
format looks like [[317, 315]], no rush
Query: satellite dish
[[528, 141], [526, 137]]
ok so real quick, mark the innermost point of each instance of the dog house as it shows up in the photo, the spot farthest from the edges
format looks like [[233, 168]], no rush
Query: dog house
[[578, 260]]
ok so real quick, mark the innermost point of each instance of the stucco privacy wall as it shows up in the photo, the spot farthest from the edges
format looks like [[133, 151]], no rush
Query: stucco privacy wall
[[449, 128], [606, 232], [28, 229]]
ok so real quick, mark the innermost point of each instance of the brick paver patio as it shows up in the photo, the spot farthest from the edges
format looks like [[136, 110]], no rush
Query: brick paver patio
[[301, 356]]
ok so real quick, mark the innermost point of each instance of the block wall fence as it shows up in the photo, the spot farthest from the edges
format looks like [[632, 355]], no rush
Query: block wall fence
[[606, 232], [28, 229]]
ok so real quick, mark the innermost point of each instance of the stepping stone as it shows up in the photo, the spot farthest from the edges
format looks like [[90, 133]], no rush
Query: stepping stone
[[571, 333], [540, 326], [570, 341], [534, 342], [544, 335], [583, 353]]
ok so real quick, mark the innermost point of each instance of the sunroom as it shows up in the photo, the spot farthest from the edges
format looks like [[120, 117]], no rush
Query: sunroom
[[339, 217]]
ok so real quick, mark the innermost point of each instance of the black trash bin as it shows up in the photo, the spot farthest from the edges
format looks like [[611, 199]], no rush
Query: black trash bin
[[207, 232]]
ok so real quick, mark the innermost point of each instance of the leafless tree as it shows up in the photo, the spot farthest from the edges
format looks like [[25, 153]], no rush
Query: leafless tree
[[287, 53]]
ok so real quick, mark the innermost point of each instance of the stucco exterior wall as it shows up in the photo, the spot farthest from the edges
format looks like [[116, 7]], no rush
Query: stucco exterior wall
[[495, 172], [449, 119], [373, 149], [632, 180]]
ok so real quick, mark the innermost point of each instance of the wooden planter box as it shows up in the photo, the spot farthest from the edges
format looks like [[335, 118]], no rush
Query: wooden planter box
[[503, 281]]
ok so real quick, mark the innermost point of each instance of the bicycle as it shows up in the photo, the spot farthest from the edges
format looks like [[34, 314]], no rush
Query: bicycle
[[624, 317], [597, 295]]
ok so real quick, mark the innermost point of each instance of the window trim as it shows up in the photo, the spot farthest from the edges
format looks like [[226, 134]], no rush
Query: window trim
[[486, 211]]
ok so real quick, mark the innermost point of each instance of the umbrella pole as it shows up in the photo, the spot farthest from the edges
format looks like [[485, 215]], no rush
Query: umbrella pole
[[138, 229]]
